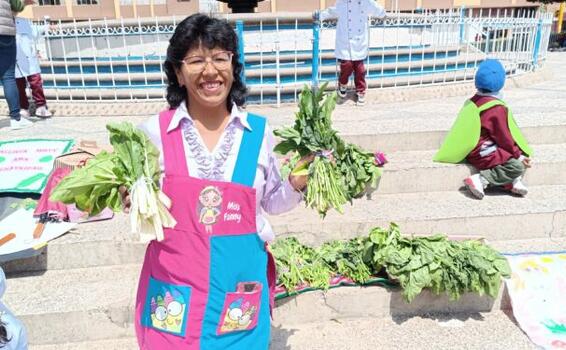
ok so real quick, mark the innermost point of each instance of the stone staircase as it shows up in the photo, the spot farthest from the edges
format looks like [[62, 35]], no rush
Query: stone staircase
[[79, 292]]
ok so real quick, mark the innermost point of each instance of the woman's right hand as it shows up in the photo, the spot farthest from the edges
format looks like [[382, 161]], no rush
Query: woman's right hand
[[125, 196], [527, 162]]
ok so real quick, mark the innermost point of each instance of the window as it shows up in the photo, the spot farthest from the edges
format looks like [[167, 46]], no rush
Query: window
[[87, 2], [49, 2]]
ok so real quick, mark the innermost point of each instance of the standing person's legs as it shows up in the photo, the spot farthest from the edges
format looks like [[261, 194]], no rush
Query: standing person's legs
[[360, 81], [21, 83], [346, 69], [7, 74], [36, 84], [360, 77]]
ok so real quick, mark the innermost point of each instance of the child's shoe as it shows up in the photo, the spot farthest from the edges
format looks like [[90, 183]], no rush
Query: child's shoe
[[361, 99], [519, 187], [475, 186], [42, 112], [342, 90], [24, 113]]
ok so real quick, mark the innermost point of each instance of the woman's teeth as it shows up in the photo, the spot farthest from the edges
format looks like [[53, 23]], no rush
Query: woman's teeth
[[211, 86]]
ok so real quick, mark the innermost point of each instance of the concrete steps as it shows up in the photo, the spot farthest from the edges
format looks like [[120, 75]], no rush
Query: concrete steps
[[498, 217], [95, 305], [75, 304], [476, 331], [420, 195], [414, 171]]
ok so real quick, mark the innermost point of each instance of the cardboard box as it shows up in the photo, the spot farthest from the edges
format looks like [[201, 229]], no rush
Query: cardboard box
[[78, 156]]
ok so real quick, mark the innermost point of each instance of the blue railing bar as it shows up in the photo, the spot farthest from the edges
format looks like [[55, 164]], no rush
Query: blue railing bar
[[315, 48], [241, 53]]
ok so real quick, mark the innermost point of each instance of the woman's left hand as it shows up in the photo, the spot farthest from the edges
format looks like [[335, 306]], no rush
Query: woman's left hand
[[299, 183]]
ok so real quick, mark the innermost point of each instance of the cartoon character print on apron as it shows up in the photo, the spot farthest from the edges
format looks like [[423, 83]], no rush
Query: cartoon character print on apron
[[206, 285]]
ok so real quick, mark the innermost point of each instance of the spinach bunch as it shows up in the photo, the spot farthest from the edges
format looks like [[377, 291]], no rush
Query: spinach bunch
[[312, 130], [346, 258], [312, 133], [416, 263], [359, 170], [340, 171], [444, 266]]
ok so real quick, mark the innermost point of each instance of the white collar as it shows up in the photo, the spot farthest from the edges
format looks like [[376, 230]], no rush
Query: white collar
[[182, 113]]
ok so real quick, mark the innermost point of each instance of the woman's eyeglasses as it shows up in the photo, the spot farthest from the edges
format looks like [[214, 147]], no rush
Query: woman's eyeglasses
[[220, 60]]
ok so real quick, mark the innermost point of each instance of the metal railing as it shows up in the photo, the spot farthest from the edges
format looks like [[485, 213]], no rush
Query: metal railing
[[122, 59]]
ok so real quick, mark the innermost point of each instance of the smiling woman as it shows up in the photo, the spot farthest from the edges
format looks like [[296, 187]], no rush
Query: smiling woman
[[221, 175], [201, 37]]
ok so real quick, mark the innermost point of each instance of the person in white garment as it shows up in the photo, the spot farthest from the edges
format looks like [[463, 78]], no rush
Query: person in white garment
[[352, 41], [13, 335], [28, 70]]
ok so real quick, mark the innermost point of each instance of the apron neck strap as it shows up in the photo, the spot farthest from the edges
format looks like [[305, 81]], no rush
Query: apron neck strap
[[173, 150], [248, 155]]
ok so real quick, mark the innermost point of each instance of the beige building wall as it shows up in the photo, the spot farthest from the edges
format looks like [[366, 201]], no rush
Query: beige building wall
[[68, 9]]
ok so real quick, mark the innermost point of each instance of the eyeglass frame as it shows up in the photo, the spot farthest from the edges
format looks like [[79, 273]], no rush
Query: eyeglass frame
[[207, 60]]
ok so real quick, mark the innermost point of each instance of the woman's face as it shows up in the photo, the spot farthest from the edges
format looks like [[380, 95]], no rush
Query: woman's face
[[207, 76]]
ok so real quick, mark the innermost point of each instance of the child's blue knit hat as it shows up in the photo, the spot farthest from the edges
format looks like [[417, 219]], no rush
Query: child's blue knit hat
[[490, 76]]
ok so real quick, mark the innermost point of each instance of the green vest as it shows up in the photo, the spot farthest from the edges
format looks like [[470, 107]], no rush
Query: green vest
[[465, 133]]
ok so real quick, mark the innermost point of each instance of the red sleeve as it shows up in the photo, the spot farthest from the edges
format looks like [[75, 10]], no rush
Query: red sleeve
[[496, 122]]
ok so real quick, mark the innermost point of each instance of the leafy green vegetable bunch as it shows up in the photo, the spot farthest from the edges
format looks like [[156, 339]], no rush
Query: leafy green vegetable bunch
[[340, 171], [299, 266], [134, 163], [416, 263], [444, 266], [312, 133], [359, 170]]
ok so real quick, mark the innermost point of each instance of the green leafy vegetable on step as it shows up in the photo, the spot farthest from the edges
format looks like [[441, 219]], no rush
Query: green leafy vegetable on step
[[425, 262]]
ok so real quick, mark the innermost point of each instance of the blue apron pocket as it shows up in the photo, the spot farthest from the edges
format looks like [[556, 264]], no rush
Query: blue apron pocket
[[241, 309], [166, 307]]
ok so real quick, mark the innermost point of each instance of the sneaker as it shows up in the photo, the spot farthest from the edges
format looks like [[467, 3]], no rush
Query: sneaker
[[475, 186], [361, 99], [24, 113], [519, 187], [42, 112], [20, 124], [342, 90]]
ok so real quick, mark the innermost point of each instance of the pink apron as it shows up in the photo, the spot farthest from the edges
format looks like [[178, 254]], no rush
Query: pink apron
[[205, 286]]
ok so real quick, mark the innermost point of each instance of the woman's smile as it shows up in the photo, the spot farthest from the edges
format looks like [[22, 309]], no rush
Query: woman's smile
[[211, 87]]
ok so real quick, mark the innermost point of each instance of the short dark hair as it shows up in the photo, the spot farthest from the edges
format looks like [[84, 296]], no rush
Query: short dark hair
[[192, 32]]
